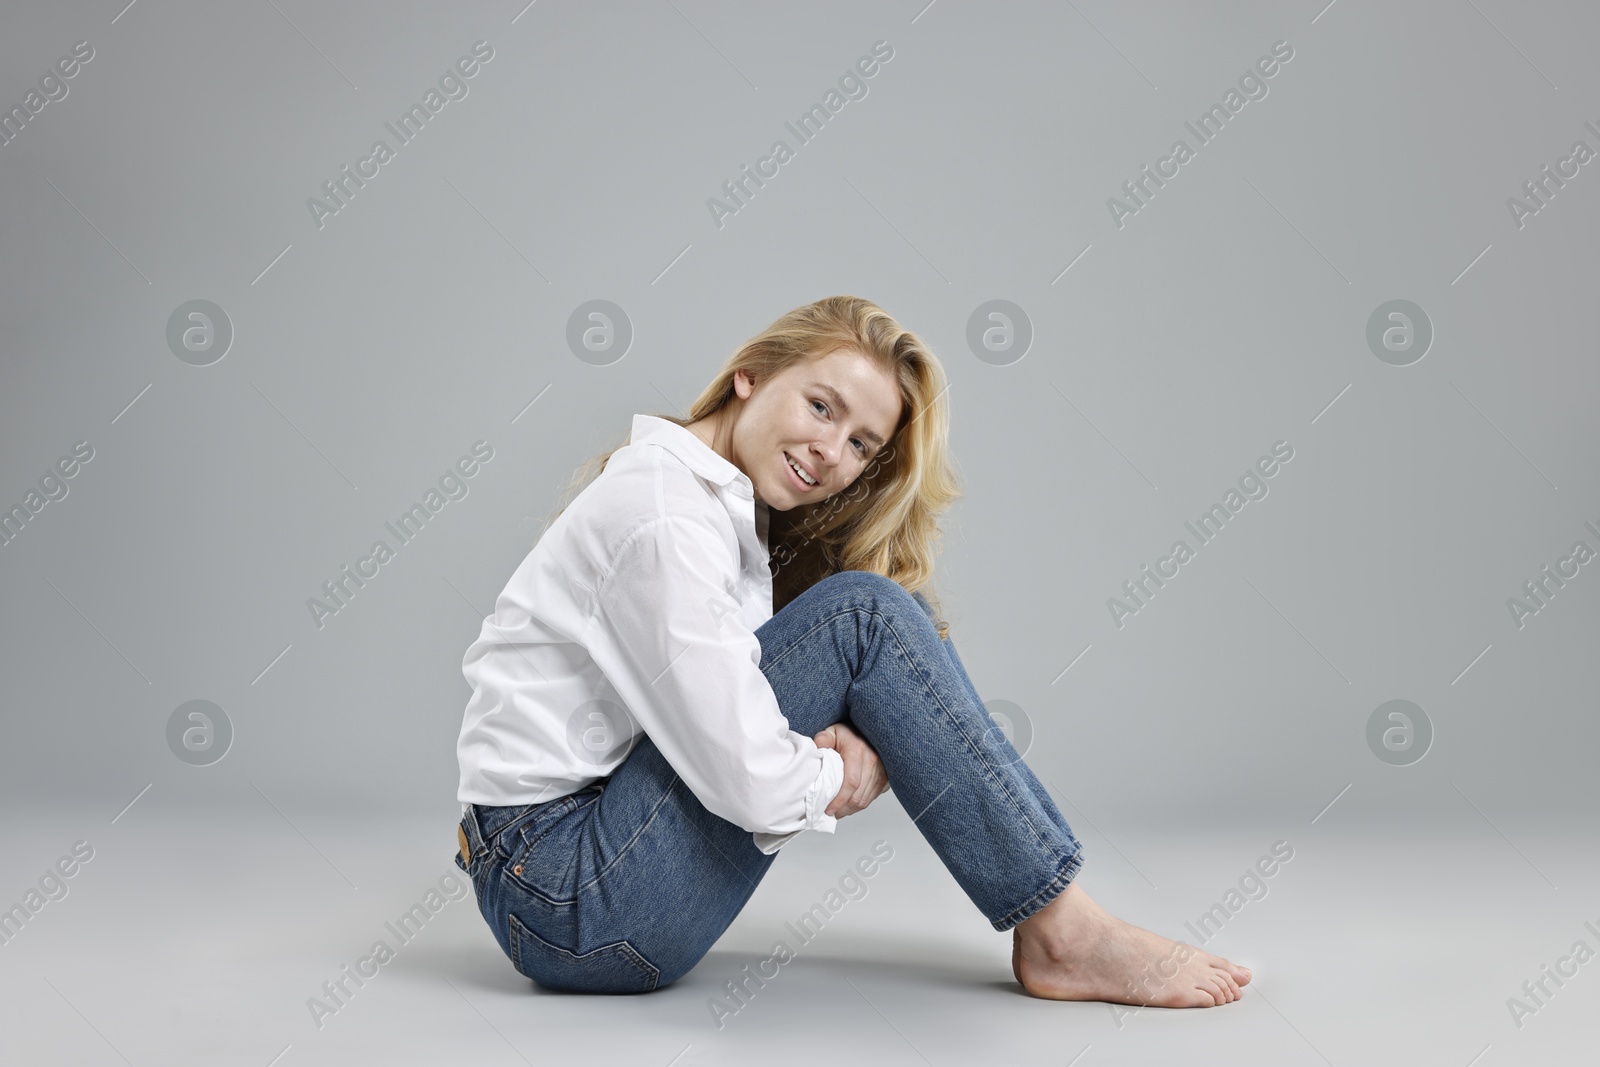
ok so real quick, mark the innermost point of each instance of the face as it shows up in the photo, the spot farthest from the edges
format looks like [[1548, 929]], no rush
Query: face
[[831, 415]]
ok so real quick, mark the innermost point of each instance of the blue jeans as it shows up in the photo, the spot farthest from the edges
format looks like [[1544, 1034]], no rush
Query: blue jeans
[[623, 886]]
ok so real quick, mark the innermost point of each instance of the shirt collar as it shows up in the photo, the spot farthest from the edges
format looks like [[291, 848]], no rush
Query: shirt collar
[[695, 453]]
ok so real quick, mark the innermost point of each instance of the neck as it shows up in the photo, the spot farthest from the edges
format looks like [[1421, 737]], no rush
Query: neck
[[716, 432]]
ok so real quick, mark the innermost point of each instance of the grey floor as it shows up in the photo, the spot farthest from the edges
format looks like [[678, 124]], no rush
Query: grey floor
[[198, 938]]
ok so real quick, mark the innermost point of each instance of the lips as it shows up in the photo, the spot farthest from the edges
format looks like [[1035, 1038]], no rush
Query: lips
[[797, 479]]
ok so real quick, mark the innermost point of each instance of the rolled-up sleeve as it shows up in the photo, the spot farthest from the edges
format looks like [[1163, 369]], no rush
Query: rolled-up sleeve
[[666, 632]]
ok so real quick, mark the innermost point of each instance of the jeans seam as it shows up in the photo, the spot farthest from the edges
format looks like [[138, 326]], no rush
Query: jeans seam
[[525, 847], [547, 818], [1028, 908], [819, 625], [926, 684], [983, 758], [494, 840], [507, 871], [654, 811], [516, 928]]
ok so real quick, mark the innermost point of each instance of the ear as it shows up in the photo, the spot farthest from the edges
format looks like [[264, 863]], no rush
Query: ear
[[743, 384]]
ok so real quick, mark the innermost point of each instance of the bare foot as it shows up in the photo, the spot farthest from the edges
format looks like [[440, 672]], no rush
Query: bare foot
[[1072, 949]]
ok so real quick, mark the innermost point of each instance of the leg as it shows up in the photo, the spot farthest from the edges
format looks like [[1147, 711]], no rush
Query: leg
[[621, 887], [868, 650], [625, 885], [949, 647], [995, 827]]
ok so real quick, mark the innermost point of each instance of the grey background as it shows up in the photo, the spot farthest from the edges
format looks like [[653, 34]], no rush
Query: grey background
[[1228, 314]]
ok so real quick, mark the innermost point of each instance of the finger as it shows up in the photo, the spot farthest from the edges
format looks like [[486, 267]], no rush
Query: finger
[[862, 782], [846, 794], [871, 786]]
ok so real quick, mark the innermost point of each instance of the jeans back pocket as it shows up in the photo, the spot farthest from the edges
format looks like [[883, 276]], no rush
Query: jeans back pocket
[[613, 968]]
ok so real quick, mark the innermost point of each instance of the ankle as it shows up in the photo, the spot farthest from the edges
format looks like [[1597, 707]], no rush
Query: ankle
[[1062, 927]]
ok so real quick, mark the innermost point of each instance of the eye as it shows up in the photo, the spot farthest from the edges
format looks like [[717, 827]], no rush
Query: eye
[[858, 442]]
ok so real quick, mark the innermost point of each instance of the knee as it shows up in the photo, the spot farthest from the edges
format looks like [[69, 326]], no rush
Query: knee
[[867, 585], [882, 593]]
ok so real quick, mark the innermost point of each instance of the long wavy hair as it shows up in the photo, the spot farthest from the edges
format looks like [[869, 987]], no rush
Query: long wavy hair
[[886, 522]]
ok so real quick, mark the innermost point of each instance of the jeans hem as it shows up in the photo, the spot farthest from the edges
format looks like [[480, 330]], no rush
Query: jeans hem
[[1064, 875]]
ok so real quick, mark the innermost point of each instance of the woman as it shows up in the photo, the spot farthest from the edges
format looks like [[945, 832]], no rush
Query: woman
[[645, 733]]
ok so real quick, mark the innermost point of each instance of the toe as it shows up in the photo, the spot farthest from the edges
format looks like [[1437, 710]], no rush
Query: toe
[[1240, 975], [1233, 987]]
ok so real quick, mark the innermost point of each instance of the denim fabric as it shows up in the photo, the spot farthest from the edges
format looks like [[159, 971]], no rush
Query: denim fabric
[[623, 886]]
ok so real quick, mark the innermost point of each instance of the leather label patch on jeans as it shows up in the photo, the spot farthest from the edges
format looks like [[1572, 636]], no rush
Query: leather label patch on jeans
[[466, 850]]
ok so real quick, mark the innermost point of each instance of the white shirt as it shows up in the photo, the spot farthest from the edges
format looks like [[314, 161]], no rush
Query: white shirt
[[635, 615]]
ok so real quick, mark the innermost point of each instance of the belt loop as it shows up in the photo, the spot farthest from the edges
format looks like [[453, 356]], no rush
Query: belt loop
[[473, 833]]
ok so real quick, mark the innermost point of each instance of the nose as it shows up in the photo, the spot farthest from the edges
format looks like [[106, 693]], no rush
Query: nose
[[828, 452]]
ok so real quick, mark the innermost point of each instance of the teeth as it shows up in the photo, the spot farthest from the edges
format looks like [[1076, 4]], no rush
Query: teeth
[[801, 473]]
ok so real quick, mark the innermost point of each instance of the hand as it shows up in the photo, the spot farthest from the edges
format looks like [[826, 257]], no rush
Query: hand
[[865, 780]]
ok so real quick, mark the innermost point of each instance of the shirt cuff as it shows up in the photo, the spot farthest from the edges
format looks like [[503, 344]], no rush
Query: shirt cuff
[[830, 779]]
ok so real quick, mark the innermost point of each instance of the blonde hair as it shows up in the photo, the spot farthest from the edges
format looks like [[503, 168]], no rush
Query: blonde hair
[[886, 522]]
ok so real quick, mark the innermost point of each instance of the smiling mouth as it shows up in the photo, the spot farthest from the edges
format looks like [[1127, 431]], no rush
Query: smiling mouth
[[798, 473]]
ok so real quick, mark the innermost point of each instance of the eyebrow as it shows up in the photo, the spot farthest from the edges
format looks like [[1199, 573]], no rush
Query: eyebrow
[[833, 394]]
